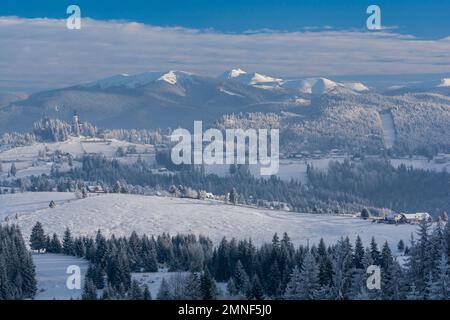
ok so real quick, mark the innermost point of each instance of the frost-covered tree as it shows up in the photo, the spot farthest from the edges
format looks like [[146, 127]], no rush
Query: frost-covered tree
[[208, 287], [255, 291], [441, 286]]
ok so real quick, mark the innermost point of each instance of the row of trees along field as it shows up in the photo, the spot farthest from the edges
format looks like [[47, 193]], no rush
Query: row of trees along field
[[276, 270]]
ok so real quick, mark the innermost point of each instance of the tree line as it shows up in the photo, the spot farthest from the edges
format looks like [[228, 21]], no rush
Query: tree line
[[276, 270], [17, 271]]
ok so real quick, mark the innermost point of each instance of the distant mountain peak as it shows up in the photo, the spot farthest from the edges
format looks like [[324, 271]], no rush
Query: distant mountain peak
[[254, 79], [173, 76], [445, 82], [136, 80]]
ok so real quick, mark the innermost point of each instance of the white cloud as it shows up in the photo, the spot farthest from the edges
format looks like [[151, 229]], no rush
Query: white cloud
[[43, 53]]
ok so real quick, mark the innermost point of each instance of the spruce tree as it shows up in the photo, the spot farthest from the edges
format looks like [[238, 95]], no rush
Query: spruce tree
[[208, 286], [293, 289], [13, 170], [256, 291], [136, 292], [241, 278], [89, 290], [54, 245], [376, 255], [441, 287], [359, 253], [68, 246], [309, 278], [231, 287], [38, 240], [78, 248], [5, 288], [401, 246], [146, 295], [164, 292], [274, 280], [192, 287]]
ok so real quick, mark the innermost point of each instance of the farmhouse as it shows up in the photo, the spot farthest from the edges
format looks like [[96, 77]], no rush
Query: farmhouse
[[95, 189], [414, 218], [397, 218]]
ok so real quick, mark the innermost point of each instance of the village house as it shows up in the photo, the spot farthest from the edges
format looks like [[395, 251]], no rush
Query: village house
[[414, 218], [411, 218], [95, 189]]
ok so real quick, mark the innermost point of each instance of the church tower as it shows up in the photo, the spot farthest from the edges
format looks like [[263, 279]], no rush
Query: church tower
[[75, 125]]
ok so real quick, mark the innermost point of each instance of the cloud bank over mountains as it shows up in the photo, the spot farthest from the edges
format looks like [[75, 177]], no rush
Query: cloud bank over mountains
[[39, 54]]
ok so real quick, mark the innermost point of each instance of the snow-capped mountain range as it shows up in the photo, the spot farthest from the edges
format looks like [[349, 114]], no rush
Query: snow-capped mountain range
[[177, 98], [306, 85], [258, 80], [133, 81]]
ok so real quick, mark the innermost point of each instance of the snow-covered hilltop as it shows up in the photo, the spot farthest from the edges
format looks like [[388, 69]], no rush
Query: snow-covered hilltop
[[122, 214]]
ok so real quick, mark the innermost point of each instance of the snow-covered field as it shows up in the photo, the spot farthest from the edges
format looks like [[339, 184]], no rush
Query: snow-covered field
[[121, 214], [31, 202], [51, 275]]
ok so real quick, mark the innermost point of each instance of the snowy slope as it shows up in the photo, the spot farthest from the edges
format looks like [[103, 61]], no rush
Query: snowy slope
[[387, 124], [26, 203], [121, 214], [26, 158]]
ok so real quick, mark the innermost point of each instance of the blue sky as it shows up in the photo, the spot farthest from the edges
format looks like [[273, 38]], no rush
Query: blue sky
[[422, 18], [282, 38]]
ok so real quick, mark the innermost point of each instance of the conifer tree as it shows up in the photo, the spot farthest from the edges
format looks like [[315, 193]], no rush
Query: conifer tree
[[192, 287], [89, 290], [68, 247], [241, 278], [164, 291], [293, 289], [38, 239], [256, 291], [136, 292], [109, 293], [13, 170], [401, 246], [146, 295], [273, 280], [376, 255], [208, 286], [441, 287], [359, 253], [231, 287], [309, 278], [54, 245]]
